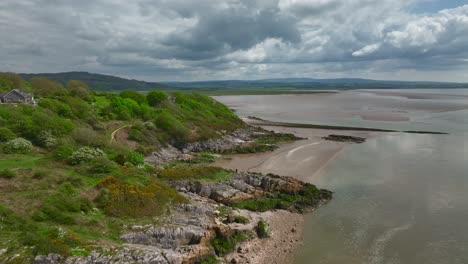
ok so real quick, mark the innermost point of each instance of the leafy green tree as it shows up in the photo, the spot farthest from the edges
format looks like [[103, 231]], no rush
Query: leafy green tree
[[124, 108], [155, 98], [44, 87], [79, 89], [135, 96], [9, 81]]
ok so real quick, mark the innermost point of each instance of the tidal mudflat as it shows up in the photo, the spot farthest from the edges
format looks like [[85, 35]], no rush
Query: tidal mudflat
[[399, 198]]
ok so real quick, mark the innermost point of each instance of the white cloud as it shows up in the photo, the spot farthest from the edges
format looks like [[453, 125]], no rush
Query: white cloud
[[369, 49]]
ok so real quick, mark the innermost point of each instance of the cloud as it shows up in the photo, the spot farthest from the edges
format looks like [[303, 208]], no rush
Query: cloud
[[369, 49], [185, 40]]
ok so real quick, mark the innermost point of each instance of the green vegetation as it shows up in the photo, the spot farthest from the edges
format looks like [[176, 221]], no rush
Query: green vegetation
[[262, 229], [68, 185], [252, 148], [236, 219], [208, 260], [343, 138], [226, 242], [309, 196], [274, 138], [7, 174], [155, 98], [18, 146]]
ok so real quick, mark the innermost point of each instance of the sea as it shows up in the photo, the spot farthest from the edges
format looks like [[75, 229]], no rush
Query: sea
[[399, 198]]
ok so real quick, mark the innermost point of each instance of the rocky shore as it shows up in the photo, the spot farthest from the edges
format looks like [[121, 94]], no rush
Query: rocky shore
[[225, 221]]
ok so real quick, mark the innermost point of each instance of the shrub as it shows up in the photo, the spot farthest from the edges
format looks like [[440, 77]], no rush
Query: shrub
[[39, 174], [135, 96], [88, 137], [262, 229], [120, 199], [174, 127], [136, 159], [63, 152], [57, 207], [85, 154], [19, 146], [101, 165], [155, 98], [225, 243], [6, 134], [46, 139], [7, 174]]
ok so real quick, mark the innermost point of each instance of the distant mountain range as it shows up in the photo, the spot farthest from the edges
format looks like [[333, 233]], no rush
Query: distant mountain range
[[113, 83]]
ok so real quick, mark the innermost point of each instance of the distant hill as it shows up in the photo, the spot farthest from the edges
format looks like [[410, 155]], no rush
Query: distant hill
[[309, 83], [98, 81], [113, 83]]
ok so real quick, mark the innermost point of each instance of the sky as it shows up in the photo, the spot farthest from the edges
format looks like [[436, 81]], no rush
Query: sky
[[190, 40]]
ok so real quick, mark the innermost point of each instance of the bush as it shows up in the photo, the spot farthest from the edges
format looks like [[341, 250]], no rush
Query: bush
[[7, 174], [101, 165], [88, 137], [6, 134], [18, 146], [39, 174], [136, 159], [63, 152], [57, 207], [135, 96], [85, 154], [46, 139], [225, 243], [155, 98], [120, 199], [262, 229]]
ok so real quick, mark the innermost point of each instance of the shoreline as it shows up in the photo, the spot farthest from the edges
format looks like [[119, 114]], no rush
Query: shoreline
[[287, 238]]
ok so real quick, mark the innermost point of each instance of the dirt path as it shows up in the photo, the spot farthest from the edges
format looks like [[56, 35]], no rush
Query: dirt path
[[112, 139]]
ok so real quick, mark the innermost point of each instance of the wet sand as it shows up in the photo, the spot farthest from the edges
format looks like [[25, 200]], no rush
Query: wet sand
[[301, 159]]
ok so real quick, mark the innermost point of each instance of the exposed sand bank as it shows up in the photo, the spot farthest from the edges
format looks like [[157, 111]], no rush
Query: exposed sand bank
[[301, 159]]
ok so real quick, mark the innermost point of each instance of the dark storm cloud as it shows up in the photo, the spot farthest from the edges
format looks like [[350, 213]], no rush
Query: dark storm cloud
[[205, 39]]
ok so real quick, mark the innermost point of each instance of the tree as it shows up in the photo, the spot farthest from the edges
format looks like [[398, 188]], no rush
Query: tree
[[45, 87], [9, 81], [79, 89], [135, 96], [154, 98]]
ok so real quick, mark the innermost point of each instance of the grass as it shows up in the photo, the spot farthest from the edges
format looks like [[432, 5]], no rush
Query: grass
[[19, 161]]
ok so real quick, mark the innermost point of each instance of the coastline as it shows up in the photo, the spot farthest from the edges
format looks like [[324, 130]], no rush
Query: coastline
[[303, 159]]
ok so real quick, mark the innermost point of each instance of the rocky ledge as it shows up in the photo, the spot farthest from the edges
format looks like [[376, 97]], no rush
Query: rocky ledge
[[202, 229]]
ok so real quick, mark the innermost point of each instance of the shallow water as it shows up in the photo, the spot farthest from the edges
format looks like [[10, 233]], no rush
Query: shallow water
[[399, 198]]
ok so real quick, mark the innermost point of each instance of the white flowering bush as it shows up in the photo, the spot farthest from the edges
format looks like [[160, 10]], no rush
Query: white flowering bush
[[46, 139], [85, 154], [18, 146]]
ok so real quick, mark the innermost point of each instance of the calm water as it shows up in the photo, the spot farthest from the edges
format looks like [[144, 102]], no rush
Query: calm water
[[399, 198]]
